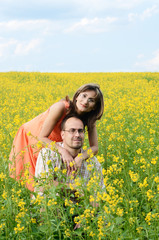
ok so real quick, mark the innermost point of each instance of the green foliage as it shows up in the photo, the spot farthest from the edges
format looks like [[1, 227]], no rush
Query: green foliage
[[128, 150]]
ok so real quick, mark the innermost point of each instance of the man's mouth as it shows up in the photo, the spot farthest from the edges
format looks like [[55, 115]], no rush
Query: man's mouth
[[77, 140]]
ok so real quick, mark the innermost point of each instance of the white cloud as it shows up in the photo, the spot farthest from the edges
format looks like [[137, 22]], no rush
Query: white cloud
[[46, 27], [94, 25], [132, 17], [29, 25], [122, 4], [152, 64], [147, 13], [10, 47], [96, 4], [6, 46], [140, 56], [18, 25], [24, 48], [71, 6]]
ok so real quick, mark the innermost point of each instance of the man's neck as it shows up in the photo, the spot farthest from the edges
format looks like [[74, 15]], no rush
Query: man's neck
[[72, 151]]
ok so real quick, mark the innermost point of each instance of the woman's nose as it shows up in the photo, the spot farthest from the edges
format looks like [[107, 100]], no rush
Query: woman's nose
[[85, 100]]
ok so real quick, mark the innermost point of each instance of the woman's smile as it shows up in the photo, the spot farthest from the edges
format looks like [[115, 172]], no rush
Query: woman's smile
[[83, 105]]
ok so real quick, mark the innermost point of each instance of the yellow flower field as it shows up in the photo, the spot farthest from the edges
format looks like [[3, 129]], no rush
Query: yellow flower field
[[128, 138]]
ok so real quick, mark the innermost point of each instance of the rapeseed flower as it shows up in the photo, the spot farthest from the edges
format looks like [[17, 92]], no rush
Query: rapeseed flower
[[127, 138]]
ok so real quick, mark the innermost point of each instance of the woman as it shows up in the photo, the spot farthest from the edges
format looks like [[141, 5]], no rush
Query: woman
[[87, 103]]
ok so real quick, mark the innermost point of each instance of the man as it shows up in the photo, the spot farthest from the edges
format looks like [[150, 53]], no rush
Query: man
[[72, 132]]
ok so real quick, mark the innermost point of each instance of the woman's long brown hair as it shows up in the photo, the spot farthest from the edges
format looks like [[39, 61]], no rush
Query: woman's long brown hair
[[88, 118]]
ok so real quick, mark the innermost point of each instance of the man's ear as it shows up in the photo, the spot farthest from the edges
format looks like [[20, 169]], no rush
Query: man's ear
[[62, 135]]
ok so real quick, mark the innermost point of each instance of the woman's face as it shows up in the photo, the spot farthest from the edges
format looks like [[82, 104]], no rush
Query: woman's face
[[85, 102]]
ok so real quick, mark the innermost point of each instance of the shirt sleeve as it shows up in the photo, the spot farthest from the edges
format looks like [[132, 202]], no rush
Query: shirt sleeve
[[98, 169], [44, 156]]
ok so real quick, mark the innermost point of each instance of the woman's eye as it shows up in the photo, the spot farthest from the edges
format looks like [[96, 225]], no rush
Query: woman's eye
[[91, 100]]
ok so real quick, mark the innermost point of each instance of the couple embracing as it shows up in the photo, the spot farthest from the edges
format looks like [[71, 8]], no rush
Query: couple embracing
[[87, 105]]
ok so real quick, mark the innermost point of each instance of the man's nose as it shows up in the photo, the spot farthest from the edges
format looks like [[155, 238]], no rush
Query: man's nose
[[77, 133]]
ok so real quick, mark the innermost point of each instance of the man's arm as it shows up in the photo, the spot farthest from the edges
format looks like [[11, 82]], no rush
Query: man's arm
[[44, 156]]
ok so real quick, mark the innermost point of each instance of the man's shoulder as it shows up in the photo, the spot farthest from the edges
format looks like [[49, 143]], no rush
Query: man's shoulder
[[95, 161], [47, 152], [44, 151]]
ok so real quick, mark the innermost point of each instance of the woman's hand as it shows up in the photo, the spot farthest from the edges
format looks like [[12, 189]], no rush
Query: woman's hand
[[78, 162], [67, 159]]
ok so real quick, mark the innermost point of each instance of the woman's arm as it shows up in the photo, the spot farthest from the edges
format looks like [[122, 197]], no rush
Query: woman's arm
[[93, 142], [93, 139], [56, 112]]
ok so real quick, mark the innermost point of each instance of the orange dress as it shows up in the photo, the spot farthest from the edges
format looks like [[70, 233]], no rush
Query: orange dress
[[24, 149]]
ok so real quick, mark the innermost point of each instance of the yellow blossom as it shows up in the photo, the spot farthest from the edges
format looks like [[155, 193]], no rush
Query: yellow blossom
[[119, 212], [53, 148], [156, 179], [72, 164], [33, 220], [39, 144], [139, 229], [51, 202], [100, 158], [84, 148], [18, 228], [29, 133], [149, 194], [2, 225], [154, 160], [144, 184], [91, 198], [67, 233], [71, 210], [48, 162], [2, 176], [4, 195], [56, 169], [139, 151], [148, 218], [89, 167], [64, 171], [134, 176]]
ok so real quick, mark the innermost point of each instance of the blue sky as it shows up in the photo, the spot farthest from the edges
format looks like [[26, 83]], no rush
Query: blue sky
[[79, 36]]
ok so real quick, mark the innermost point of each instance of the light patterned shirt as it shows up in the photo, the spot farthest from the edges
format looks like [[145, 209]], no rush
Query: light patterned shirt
[[84, 172]]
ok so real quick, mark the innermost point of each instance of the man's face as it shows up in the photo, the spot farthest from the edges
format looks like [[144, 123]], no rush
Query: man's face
[[73, 135]]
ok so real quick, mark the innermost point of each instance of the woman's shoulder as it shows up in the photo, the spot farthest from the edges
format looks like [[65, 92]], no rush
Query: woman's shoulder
[[59, 107], [66, 102]]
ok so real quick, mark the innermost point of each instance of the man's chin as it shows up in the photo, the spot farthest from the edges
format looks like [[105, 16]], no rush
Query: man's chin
[[77, 146]]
